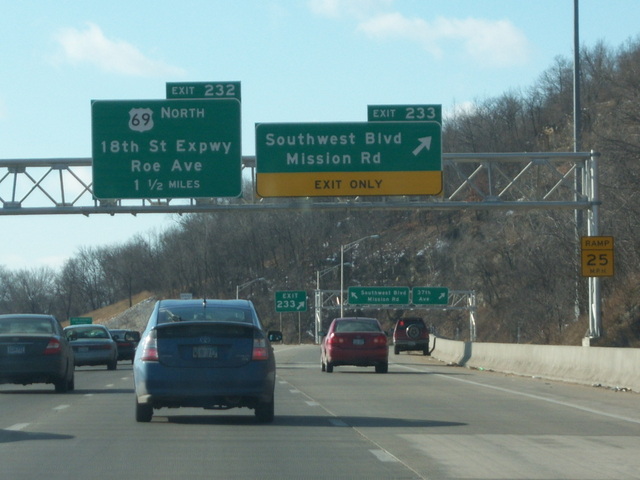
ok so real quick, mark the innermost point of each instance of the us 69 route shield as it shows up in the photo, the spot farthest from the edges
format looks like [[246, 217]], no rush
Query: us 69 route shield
[[348, 159]]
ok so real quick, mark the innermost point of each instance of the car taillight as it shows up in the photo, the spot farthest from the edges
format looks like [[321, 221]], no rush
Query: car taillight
[[150, 349], [53, 347], [380, 340], [260, 351], [335, 339]]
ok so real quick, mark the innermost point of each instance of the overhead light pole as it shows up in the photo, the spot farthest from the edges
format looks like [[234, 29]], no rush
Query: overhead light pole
[[345, 248], [246, 284]]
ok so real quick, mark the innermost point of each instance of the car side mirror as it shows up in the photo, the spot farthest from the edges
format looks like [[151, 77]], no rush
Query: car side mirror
[[274, 336]]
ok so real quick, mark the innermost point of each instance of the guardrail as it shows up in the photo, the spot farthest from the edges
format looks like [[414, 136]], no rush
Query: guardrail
[[602, 366]]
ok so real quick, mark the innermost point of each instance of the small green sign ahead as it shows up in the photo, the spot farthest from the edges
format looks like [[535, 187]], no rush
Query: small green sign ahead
[[378, 295], [291, 301], [80, 320], [430, 295]]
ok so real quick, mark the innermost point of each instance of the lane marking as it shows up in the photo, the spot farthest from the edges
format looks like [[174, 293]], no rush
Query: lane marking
[[384, 456], [61, 407], [18, 427], [528, 395]]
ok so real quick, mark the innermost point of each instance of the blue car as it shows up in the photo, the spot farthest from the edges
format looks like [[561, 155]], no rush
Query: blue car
[[211, 354]]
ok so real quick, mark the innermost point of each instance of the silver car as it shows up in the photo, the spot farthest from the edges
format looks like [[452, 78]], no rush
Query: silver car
[[93, 345]]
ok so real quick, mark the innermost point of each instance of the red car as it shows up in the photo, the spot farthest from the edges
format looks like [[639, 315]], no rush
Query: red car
[[355, 341]]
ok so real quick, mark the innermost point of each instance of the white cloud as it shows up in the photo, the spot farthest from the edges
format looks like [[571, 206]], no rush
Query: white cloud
[[348, 8], [110, 55], [495, 43]]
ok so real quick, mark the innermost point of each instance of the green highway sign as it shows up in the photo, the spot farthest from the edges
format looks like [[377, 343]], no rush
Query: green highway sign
[[291, 301], [80, 320], [348, 159], [166, 148], [378, 295], [404, 113], [210, 90], [430, 295]]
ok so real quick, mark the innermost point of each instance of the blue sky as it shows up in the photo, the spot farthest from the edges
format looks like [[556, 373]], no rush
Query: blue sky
[[297, 61]]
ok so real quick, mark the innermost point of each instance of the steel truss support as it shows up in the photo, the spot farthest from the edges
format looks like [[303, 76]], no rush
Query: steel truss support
[[511, 181]]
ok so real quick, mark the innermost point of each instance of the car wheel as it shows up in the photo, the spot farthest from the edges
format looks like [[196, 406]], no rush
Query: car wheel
[[144, 412], [382, 367], [112, 365], [426, 350], [322, 366], [396, 350], [71, 384], [329, 367], [265, 411], [62, 385]]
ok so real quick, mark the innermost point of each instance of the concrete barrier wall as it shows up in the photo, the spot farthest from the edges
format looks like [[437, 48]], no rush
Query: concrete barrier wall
[[609, 367]]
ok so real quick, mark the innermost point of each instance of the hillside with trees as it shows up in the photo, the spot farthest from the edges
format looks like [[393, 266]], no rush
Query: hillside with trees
[[522, 264]]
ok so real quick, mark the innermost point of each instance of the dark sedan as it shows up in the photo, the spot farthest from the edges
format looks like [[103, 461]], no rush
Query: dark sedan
[[93, 345], [355, 341], [33, 349], [127, 341], [211, 354]]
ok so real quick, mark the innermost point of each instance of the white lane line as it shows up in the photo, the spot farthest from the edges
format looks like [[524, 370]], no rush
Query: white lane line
[[384, 456], [313, 404], [528, 395], [294, 390], [61, 407], [109, 385], [17, 427]]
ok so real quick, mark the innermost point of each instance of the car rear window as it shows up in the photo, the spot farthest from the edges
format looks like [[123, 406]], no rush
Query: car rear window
[[357, 326], [25, 325], [207, 314], [91, 333]]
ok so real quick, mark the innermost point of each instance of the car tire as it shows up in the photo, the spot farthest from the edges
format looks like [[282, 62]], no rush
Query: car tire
[[396, 350], [112, 365], [329, 367], [425, 351], [71, 384], [322, 366], [265, 411], [382, 367], [62, 385], [144, 412]]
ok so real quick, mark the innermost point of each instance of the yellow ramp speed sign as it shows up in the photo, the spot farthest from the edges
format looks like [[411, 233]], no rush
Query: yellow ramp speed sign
[[597, 256]]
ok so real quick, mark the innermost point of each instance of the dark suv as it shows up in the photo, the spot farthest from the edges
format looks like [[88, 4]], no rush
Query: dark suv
[[411, 334]]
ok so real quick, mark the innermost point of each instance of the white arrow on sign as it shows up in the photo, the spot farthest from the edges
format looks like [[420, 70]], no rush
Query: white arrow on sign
[[425, 142]]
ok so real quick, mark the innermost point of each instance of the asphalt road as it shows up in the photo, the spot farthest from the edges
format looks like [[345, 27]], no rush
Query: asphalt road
[[422, 420]]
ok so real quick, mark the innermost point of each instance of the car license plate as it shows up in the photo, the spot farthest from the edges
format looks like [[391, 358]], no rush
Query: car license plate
[[205, 351], [358, 341], [15, 349]]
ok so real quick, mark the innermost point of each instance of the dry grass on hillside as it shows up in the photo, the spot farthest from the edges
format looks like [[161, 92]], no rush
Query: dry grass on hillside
[[102, 315]]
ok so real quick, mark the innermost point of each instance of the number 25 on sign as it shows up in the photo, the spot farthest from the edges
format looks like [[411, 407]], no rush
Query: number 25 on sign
[[597, 256]]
